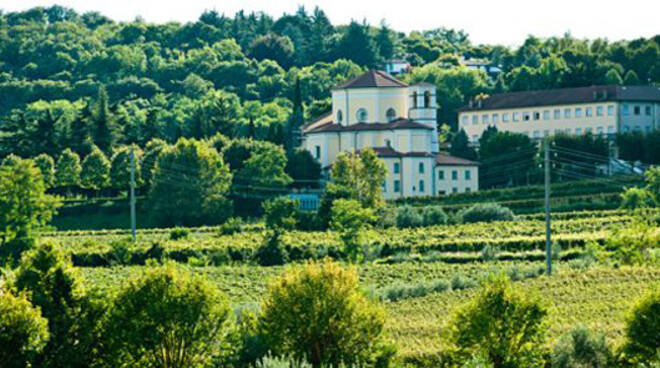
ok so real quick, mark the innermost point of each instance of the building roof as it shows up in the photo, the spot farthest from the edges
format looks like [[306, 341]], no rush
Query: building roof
[[424, 84], [567, 96], [391, 152], [372, 79], [399, 123], [442, 159]]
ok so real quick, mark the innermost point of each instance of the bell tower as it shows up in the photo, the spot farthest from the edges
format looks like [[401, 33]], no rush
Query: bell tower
[[423, 108]]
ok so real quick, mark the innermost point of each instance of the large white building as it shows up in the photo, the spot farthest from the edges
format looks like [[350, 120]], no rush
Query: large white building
[[601, 110], [398, 121]]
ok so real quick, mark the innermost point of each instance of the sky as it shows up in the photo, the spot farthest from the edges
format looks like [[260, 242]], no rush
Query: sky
[[506, 22]]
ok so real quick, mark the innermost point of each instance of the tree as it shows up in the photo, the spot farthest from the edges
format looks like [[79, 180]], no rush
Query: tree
[[581, 348], [350, 219], [104, 129], [516, 319], [384, 42], [613, 77], [51, 283], [189, 184], [361, 175], [460, 146], [95, 173], [24, 331], [166, 319], [24, 207], [152, 151], [296, 121], [304, 169], [67, 171], [46, 166], [506, 159], [631, 79], [357, 45], [635, 198], [318, 313], [280, 215], [642, 330], [273, 47], [120, 167]]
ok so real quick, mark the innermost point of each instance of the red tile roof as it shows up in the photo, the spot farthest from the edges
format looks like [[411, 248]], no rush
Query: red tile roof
[[399, 123], [372, 79], [391, 152], [442, 159]]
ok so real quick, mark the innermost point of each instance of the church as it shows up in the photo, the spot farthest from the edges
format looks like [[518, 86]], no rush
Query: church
[[398, 121]]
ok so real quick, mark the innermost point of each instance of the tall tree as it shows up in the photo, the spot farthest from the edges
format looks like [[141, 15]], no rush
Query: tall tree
[[95, 172], [67, 172], [384, 42], [104, 129]]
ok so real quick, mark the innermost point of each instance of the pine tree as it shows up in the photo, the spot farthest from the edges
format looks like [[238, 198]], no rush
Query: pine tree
[[384, 42], [104, 128], [460, 146], [296, 120]]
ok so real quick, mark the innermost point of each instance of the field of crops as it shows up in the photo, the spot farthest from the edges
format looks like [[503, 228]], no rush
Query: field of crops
[[449, 255]]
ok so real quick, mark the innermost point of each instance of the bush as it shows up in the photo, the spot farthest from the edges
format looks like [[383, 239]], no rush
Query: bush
[[434, 215], [318, 313], [272, 252], [635, 244], [486, 212], [643, 329], [179, 233], [581, 348], [24, 331], [350, 219], [634, 198], [231, 226], [499, 310], [408, 216], [166, 318], [280, 214]]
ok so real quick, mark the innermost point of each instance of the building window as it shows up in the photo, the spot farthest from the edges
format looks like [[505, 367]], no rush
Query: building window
[[647, 110], [397, 186], [610, 129], [537, 134], [427, 99], [599, 111], [505, 117], [454, 175], [588, 130], [390, 114], [317, 152], [637, 110], [567, 113], [454, 190], [496, 118], [578, 131], [421, 168], [590, 111], [546, 133], [526, 116], [537, 115], [468, 174], [475, 119], [557, 114], [414, 97], [340, 117], [578, 112], [610, 110], [475, 138], [465, 119], [484, 118], [441, 175], [516, 116], [626, 110], [421, 185], [599, 130], [546, 115], [396, 168], [384, 186], [361, 115]]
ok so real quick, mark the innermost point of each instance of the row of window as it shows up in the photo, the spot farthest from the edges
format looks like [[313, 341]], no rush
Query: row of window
[[576, 112], [579, 131], [420, 187], [637, 110], [441, 174]]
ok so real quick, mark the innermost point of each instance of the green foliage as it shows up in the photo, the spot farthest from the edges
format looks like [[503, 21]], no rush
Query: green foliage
[[182, 321], [51, 283], [361, 176], [317, 313], [350, 219], [408, 216], [272, 252], [179, 233], [198, 193], [502, 324], [636, 243], [434, 215], [24, 331], [24, 207], [232, 226], [581, 348], [303, 168], [151, 153], [95, 173], [46, 166], [120, 167], [486, 212], [643, 329], [67, 171], [635, 198], [280, 214]]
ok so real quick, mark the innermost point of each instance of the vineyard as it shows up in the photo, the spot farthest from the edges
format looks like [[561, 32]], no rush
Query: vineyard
[[420, 274]]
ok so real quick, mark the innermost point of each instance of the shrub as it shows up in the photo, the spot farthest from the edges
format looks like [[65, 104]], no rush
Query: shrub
[[408, 216], [231, 226], [272, 252], [643, 329], [634, 198], [167, 318], [24, 331], [634, 244], [434, 215], [317, 313], [280, 214], [581, 348], [486, 212], [350, 219], [499, 310], [120, 252], [179, 233]]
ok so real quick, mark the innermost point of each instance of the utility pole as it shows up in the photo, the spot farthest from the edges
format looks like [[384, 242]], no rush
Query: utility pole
[[548, 231], [132, 199]]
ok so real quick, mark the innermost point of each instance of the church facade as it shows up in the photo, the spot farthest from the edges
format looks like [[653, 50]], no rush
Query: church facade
[[398, 121]]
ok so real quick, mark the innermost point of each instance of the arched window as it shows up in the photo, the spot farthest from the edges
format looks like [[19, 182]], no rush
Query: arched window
[[340, 116], [427, 99], [390, 114], [414, 99], [361, 115]]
